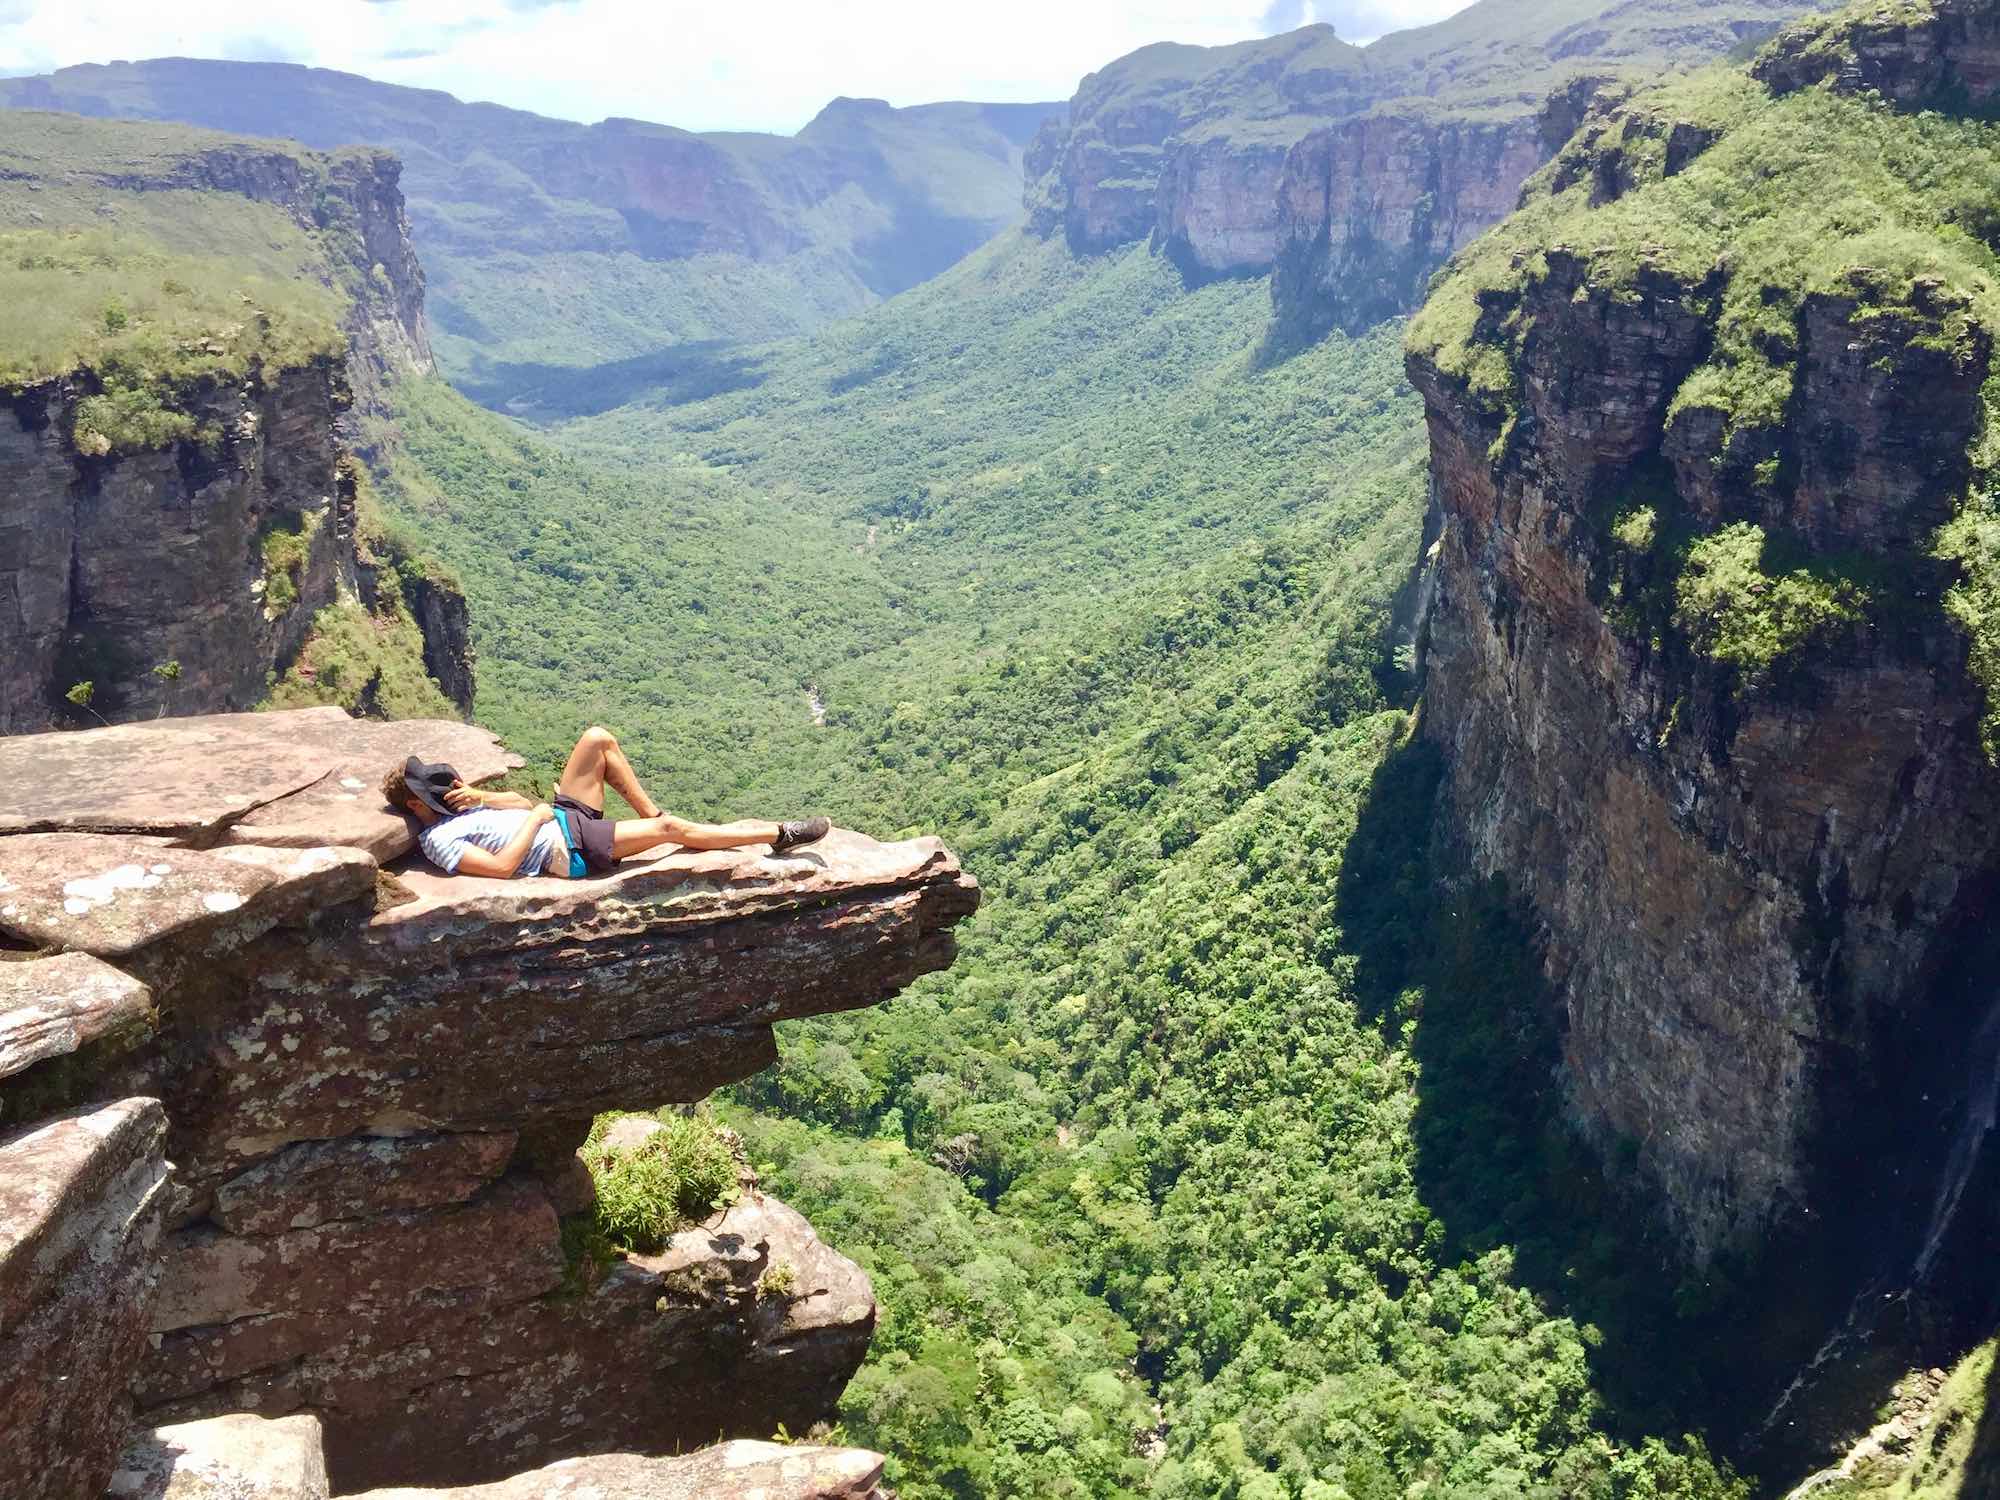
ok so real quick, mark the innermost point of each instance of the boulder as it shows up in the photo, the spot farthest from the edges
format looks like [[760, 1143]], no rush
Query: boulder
[[307, 776], [236, 1457], [50, 1007], [81, 1197], [741, 1470]]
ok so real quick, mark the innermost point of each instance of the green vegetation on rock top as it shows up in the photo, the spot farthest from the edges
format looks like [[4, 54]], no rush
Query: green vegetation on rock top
[[147, 320], [1807, 196]]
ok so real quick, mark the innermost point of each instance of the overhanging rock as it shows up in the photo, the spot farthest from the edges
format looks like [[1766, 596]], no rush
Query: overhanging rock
[[375, 1078]]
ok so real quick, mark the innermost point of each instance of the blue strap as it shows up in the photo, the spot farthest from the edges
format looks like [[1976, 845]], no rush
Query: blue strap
[[577, 869]]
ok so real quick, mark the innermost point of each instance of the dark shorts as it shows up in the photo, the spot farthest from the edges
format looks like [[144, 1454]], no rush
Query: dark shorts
[[592, 832]]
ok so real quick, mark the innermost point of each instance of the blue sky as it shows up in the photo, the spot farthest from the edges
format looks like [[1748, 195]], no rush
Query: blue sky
[[762, 66]]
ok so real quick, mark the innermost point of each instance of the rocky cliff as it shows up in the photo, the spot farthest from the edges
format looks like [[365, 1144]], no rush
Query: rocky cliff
[[1352, 171], [173, 469], [371, 1082], [345, 205], [144, 574], [1711, 643]]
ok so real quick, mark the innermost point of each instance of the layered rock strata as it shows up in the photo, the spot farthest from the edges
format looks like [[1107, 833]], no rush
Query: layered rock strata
[[1368, 209], [1751, 862], [81, 1200], [374, 1079]]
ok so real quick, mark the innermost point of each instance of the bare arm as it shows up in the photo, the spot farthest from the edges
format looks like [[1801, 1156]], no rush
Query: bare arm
[[463, 798], [502, 866]]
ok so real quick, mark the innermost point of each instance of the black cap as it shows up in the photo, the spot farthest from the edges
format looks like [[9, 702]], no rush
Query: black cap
[[429, 782]]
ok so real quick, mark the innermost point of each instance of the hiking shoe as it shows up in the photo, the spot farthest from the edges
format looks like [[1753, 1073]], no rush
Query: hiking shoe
[[799, 831]]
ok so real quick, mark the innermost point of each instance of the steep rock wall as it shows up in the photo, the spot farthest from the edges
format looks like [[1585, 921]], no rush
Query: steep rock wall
[[1751, 862], [128, 562], [1367, 210], [374, 1080]]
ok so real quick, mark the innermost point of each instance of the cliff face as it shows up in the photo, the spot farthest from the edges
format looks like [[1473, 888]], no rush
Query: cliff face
[[1354, 172], [372, 1080], [181, 510], [1703, 654], [145, 574], [1369, 209]]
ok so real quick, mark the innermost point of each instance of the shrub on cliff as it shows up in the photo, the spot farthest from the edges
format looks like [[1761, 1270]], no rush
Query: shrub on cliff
[[1739, 610], [646, 1192]]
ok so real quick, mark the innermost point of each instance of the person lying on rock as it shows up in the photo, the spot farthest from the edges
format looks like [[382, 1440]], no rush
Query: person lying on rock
[[467, 831]]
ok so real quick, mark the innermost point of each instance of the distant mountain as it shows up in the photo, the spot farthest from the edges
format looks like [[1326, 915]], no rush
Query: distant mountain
[[554, 243], [1351, 171]]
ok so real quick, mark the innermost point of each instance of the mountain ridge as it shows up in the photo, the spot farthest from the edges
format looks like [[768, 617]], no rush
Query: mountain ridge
[[567, 244]]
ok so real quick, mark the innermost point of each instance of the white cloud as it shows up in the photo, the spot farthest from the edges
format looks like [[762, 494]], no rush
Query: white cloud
[[707, 66]]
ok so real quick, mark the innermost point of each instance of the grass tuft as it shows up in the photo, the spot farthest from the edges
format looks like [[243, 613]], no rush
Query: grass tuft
[[677, 1176]]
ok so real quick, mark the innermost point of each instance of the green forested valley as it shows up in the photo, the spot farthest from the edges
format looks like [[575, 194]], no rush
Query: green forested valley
[[1231, 1159], [1218, 1164]]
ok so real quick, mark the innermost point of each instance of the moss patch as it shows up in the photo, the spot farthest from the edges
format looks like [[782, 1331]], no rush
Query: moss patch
[[285, 552]]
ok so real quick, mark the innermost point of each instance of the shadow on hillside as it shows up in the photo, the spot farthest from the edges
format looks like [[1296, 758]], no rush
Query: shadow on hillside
[[1982, 1465], [1453, 972], [666, 377]]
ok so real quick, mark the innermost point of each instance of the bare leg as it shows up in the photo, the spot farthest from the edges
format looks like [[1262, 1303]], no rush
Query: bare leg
[[596, 760], [631, 836]]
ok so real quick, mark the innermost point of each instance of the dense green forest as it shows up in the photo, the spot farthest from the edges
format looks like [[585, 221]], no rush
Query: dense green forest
[[1222, 1163]]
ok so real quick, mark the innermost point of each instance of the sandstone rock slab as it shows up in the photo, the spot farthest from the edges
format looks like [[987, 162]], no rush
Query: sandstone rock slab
[[740, 1470], [50, 1007], [234, 1457], [306, 776], [114, 894], [656, 985], [317, 1182], [81, 1197], [507, 1234], [456, 1386], [630, 1132]]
